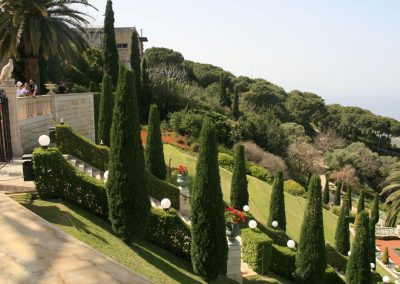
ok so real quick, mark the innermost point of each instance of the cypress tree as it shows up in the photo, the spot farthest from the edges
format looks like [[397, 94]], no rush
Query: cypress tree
[[239, 193], [154, 154], [110, 51], [372, 241], [209, 245], [136, 66], [311, 255], [336, 200], [223, 95], [360, 205], [277, 203], [146, 90], [105, 110], [342, 235], [375, 209], [358, 269], [326, 197], [385, 255], [349, 191], [126, 185], [235, 106]]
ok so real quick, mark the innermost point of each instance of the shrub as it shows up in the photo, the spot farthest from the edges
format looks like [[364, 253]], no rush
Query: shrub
[[335, 259], [71, 142], [256, 250], [385, 256], [331, 276], [226, 161], [283, 261], [260, 173], [294, 188], [56, 178], [167, 230]]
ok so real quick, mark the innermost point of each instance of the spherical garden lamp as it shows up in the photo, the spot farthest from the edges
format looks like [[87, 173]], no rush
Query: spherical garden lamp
[[372, 265], [275, 224], [44, 141], [386, 279], [106, 175], [246, 208], [252, 224], [165, 203], [349, 253], [291, 244]]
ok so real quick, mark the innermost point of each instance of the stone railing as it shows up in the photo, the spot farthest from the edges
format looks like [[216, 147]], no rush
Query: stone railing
[[387, 232], [34, 106]]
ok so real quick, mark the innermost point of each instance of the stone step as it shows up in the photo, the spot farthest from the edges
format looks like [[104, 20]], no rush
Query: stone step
[[72, 162], [80, 166], [96, 174], [89, 171]]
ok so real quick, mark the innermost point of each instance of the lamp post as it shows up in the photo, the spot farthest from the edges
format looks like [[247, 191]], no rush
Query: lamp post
[[165, 204], [106, 175], [291, 244], [252, 224], [275, 224], [372, 265], [246, 208], [44, 141], [386, 279]]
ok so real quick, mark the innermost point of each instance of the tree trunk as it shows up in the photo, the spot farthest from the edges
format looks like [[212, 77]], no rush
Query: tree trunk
[[32, 69]]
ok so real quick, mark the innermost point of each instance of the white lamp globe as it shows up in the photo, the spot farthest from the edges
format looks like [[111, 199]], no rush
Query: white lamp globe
[[275, 224], [291, 244], [44, 140], [165, 203], [386, 279], [252, 224], [349, 253], [372, 265], [106, 175], [246, 208]]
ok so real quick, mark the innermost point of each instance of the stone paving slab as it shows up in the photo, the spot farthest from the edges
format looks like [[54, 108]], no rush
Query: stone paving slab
[[34, 251]]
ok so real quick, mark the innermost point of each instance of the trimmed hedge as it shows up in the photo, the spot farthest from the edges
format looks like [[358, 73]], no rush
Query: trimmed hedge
[[226, 161], [283, 262], [56, 178], [256, 250], [331, 277], [335, 259], [294, 188], [71, 142], [160, 189], [167, 230]]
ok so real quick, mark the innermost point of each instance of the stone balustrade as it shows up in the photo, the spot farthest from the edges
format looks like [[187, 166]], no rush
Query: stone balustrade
[[387, 232], [34, 106]]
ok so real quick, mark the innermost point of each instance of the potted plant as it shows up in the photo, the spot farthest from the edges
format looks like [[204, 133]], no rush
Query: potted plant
[[182, 173], [233, 218]]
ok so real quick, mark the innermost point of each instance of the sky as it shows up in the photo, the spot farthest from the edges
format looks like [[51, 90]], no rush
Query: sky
[[347, 52]]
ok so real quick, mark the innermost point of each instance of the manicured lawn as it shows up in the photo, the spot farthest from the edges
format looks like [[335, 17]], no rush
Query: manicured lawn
[[142, 257]]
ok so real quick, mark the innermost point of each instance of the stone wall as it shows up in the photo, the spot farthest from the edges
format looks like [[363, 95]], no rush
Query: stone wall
[[32, 128], [76, 110]]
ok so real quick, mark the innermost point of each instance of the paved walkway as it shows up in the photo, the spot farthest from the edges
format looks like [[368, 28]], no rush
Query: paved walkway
[[34, 251]]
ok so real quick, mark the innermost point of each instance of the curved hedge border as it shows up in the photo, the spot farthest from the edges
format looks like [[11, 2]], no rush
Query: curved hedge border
[[71, 142]]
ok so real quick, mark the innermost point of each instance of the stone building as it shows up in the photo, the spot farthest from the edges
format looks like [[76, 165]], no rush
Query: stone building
[[123, 36]]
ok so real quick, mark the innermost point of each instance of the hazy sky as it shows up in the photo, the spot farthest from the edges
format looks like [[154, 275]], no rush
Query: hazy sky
[[345, 51]]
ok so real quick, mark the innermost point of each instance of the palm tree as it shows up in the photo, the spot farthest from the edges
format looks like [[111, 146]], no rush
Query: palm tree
[[393, 189], [35, 29]]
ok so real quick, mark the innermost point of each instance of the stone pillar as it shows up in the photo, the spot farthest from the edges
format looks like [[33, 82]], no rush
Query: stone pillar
[[184, 205], [10, 90], [234, 260]]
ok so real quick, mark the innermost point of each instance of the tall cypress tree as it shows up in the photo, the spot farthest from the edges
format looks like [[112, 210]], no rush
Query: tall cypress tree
[[146, 90], [126, 185], [348, 193], [326, 197], [358, 269], [235, 106], [154, 154], [372, 246], [336, 200], [110, 51], [360, 205], [277, 203], [375, 209], [224, 98], [209, 245], [239, 193], [136, 66], [342, 235], [311, 256], [106, 110]]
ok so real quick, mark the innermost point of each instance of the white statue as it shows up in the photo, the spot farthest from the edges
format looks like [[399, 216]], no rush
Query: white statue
[[6, 72]]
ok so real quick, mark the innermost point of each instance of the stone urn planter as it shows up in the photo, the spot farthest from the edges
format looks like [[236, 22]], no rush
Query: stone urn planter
[[232, 231], [50, 87], [233, 218], [182, 173]]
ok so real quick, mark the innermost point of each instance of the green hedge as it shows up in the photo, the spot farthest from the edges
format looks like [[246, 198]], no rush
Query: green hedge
[[256, 250], [283, 261], [336, 210], [331, 277], [56, 178], [335, 259], [167, 230], [73, 143], [294, 188], [160, 189], [226, 161]]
